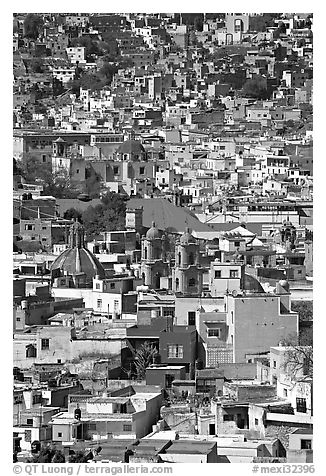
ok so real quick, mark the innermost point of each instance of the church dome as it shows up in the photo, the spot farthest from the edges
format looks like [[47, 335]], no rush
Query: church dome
[[77, 259], [131, 147], [252, 285], [187, 238], [153, 233]]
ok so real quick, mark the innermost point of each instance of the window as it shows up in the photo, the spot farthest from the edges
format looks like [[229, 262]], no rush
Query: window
[[115, 170], [175, 351], [141, 170], [30, 351], [301, 405], [217, 274], [28, 435], [256, 421], [306, 444], [127, 427], [168, 380], [227, 417], [29, 227], [274, 364], [59, 434], [112, 285], [213, 333], [237, 244], [45, 344], [192, 282], [99, 303], [97, 286], [29, 421], [285, 392], [234, 273], [191, 258], [191, 318], [177, 284]]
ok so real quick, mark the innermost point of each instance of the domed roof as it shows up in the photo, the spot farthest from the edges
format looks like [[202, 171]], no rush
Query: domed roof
[[131, 147], [252, 285], [153, 233], [187, 238], [78, 259]]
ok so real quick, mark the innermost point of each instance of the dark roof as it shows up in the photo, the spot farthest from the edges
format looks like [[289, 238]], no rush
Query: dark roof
[[75, 260], [166, 215], [252, 285], [29, 246], [255, 228], [65, 203], [302, 431], [131, 147]]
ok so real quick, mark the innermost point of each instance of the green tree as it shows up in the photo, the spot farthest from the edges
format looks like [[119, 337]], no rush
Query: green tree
[[298, 361], [255, 88], [36, 65], [72, 213], [92, 183], [49, 454], [143, 358], [109, 215], [32, 26], [304, 309], [198, 23], [107, 71], [79, 457]]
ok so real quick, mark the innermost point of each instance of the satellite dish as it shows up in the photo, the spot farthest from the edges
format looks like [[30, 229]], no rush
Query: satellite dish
[[234, 293]]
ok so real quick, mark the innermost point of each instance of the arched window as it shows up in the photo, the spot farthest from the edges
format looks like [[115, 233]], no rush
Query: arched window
[[157, 280], [143, 277], [192, 282], [177, 284], [30, 351], [191, 258], [145, 252], [179, 258]]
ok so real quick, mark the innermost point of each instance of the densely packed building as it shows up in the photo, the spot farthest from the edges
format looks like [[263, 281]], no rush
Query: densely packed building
[[163, 237]]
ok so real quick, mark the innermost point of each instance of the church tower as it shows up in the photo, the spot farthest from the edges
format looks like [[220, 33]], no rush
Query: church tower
[[187, 275], [153, 263]]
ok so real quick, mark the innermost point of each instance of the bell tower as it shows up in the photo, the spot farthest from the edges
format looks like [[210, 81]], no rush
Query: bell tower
[[153, 263], [187, 275], [76, 236]]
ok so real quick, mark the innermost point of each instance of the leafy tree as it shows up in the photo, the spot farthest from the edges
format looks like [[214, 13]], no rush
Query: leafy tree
[[78, 457], [198, 23], [32, 26], [298, 360], [49, 454], [107, 216], [36, 65], [92, 183], [16, 168], [304, 309], [72, 213], [143, 358], [256, 88], [107, 71]]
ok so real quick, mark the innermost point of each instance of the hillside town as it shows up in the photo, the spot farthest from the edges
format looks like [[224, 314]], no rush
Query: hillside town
[[163, 238]]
